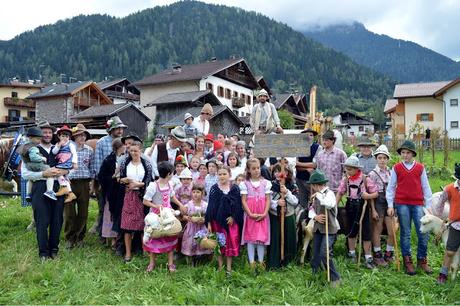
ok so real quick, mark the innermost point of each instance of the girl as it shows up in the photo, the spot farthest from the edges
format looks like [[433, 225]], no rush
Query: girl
[[211, 177], [195, 207], [159, 194], [255, 196], [203, 171], [183, 191], [239, 179], [180, 164], [225, 215], [199, 149], [194, 164], [234, 164], [189, 148], [284, 194]]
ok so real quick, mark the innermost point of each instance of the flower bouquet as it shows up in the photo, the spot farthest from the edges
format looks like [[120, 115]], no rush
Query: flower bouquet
[[210, 241]]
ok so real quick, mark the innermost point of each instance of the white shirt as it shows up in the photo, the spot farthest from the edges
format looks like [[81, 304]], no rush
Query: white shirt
[[135, 172], [171, 157], [201, 126]]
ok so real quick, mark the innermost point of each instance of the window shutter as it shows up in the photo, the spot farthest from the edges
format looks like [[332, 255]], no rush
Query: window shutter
[[419, 117], [430, 117]]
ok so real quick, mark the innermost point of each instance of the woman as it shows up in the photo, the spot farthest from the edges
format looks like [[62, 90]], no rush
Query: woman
[[199, 147], [241, 152], [135, 174], [112, 192]]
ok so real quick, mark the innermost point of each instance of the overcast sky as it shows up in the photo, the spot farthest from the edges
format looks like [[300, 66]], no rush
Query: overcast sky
[[430, 23]]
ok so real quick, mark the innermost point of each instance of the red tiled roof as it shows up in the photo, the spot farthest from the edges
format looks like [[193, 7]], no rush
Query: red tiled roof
[[418, 89]]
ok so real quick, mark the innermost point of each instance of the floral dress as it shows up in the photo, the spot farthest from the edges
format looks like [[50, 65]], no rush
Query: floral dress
[[189, 245]]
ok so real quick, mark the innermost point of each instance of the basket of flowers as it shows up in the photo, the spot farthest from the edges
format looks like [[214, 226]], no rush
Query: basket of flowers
[[210, 241], [197, 218]]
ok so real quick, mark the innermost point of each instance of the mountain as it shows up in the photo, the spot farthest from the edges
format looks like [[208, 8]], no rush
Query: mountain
[[401, 60], [95, 46]]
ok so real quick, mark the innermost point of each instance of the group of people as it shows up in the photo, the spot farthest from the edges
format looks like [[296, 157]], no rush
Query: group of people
[[252, 201]]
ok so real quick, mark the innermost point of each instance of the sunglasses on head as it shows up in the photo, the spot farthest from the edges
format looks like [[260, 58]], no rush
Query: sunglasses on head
[[205, 113]]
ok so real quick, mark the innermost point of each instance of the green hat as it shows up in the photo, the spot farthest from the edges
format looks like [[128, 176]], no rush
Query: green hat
[[366, 142], [318, 177], [329, 135], [114, 123], [407, 145], [34, 132]]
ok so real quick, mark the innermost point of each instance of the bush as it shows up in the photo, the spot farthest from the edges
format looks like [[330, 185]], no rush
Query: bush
[[286, 119]]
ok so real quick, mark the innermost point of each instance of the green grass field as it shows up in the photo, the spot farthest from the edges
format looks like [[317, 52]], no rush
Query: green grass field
[[94, 275]]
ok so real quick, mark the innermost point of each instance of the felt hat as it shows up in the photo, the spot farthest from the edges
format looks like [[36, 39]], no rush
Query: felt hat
[[218, 145], [262, 92], [207, 108], [407, 145], [80, 129], [209, 137], [46, 125], [329, 135], [34, 132], [160, 136], [187, 115], [366, 142], [318, 177], [382, 149], [114, 123], [180, 159], [186, 174], [309, 130], [131, 136], [191, 142], [63, 129], [457, 171], [179, 133], [352, 161]]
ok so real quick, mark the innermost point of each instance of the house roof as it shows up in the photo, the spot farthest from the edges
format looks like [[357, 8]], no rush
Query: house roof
[[390, 105], [22, 85], [354, 120], [261, 81], [189, 96], [106, 111], [195, 111], [109, 83], [280, 99], [190, 72], [418, 89], [447, 87]]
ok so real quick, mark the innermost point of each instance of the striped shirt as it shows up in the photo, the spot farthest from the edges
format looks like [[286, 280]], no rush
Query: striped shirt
[[330, 162], [85, 170], [103, 149]]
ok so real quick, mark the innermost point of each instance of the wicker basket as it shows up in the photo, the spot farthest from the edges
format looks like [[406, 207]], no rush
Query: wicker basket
[[196, 219], [175, 229], [209, 244]]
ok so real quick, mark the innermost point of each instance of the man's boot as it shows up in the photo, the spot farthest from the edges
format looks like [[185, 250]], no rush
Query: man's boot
[[408, 265], [422, 263]]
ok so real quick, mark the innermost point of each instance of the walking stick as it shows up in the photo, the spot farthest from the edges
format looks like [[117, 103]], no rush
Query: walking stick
[[328, 268], [398, 264], [360, 241]]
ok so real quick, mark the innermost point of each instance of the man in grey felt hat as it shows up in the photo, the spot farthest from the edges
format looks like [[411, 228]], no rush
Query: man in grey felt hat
[[365, 156], [170, 150]]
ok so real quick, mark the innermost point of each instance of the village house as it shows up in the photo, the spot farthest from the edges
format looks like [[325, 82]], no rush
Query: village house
[[120, 91], [59, 102], [231, 81], [15, 106], [351, 124], [295, 104], [433, 105]]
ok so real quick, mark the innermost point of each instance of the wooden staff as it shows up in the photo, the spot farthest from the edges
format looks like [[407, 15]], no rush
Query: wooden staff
[[360, 237], [398, 264], [282, 211], [328, 268]]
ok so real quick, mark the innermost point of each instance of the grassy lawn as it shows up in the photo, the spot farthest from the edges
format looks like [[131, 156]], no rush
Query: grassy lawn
[[94, 275]]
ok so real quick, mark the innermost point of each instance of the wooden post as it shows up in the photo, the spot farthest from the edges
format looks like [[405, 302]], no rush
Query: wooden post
[[282, 213], [328, 267], [360, 242], [398, 264]]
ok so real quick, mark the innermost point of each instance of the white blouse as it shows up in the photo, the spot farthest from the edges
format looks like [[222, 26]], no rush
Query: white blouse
[[135, 172]]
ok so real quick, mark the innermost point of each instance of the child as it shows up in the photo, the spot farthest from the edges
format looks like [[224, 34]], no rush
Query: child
[[234, 164], [183, 192], [229, 146], [409, 191], [366, 159], [203, 171], [35, 162], [159, 194], [451, 193], [180, 164], [284, 194], [189, 128], [208, 144], [211, 177], [241, 152], [239, 179], [195, 208], [324, 200], [380, 176], [356, 186], [255, 196], [194, 164], [188, 147], [66, 157], [225, 215]]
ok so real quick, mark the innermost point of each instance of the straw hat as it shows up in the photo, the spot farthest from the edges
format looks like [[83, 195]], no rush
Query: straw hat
[[353, 162], [186, 174], [382, 150], [80, 129], [262, 92]]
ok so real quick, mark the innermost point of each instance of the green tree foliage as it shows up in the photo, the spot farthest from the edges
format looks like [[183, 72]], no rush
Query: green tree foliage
[[286, 119]]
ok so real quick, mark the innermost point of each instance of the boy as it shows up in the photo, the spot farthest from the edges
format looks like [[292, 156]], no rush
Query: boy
[[324, 200], [358, 188], [189, 128], [451, 193], [408, 191]]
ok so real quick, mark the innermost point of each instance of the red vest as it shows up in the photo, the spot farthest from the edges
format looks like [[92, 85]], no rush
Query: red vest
[[409, 184], [454, 200]]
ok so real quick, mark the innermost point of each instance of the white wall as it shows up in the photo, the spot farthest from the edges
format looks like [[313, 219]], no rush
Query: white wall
[[355, 129], [416, 106], [215, 81], [452, 112]]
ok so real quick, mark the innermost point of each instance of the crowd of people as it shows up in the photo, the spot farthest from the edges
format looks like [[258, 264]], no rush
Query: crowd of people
[[252, 201]]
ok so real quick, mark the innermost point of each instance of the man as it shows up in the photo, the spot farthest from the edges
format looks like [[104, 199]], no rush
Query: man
[[76, 212], [201, 123], [264, 117], [115, 129], [48, 214], [304, 166], [330, 159], [365, 156], [170, 150]]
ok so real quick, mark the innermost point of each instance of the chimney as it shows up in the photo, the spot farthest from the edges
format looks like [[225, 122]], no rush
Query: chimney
[[213, 59], [177, 68]]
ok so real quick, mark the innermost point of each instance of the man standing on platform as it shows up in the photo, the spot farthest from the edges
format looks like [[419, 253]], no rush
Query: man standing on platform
[[264, 117]]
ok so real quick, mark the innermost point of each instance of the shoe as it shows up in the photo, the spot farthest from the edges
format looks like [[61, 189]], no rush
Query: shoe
[[28, 198], [262, 266], [389, 256], [422, 263], [63, 190], [228, 273], [442, 278], [79, 244], [253, 266], [54, 255], [336, 283], [410, 270], [43, 259], [150, 267], [352, 257], [172, 268], [70, 197], [370, 264], [378, 259], [69, 245], [127, 259], [50, 194]]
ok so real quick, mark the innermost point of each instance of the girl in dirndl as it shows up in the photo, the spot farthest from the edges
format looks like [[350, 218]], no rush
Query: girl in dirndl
[[255, 196], [159, 194]]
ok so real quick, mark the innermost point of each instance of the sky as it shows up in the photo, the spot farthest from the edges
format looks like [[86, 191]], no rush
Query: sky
[[430, 23]]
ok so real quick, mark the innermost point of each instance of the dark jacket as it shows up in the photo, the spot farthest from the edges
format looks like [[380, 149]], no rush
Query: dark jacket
[[221, 206], [111, 189]]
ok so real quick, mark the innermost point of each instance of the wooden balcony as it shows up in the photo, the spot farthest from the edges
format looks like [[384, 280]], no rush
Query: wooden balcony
[[17, 119], [16, 102], [238, 102], [122, 95]]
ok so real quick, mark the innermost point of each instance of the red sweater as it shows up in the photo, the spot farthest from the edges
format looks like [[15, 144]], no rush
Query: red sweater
[[454, 200], [409, 184]]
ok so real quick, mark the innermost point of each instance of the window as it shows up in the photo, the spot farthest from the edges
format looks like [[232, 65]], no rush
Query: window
[[243, 96], [235, 94], [220, 91], [454, 124], [235, 112], [453, 102], [425, 117], [209, 86], [31, 114], [361, 128], [228, 93], [14, 114], [248, 100], [14, 94]]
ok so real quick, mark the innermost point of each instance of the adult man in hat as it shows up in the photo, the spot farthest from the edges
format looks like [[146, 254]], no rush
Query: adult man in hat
[[304, 166], [366, 159], [201, 123], [115, 129], [264, 117], [76, 212], [330, 159], [409, 192], [170, 150], [48, 214]]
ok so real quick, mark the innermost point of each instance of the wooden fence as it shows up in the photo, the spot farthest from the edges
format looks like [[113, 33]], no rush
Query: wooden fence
[[454, 144]]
